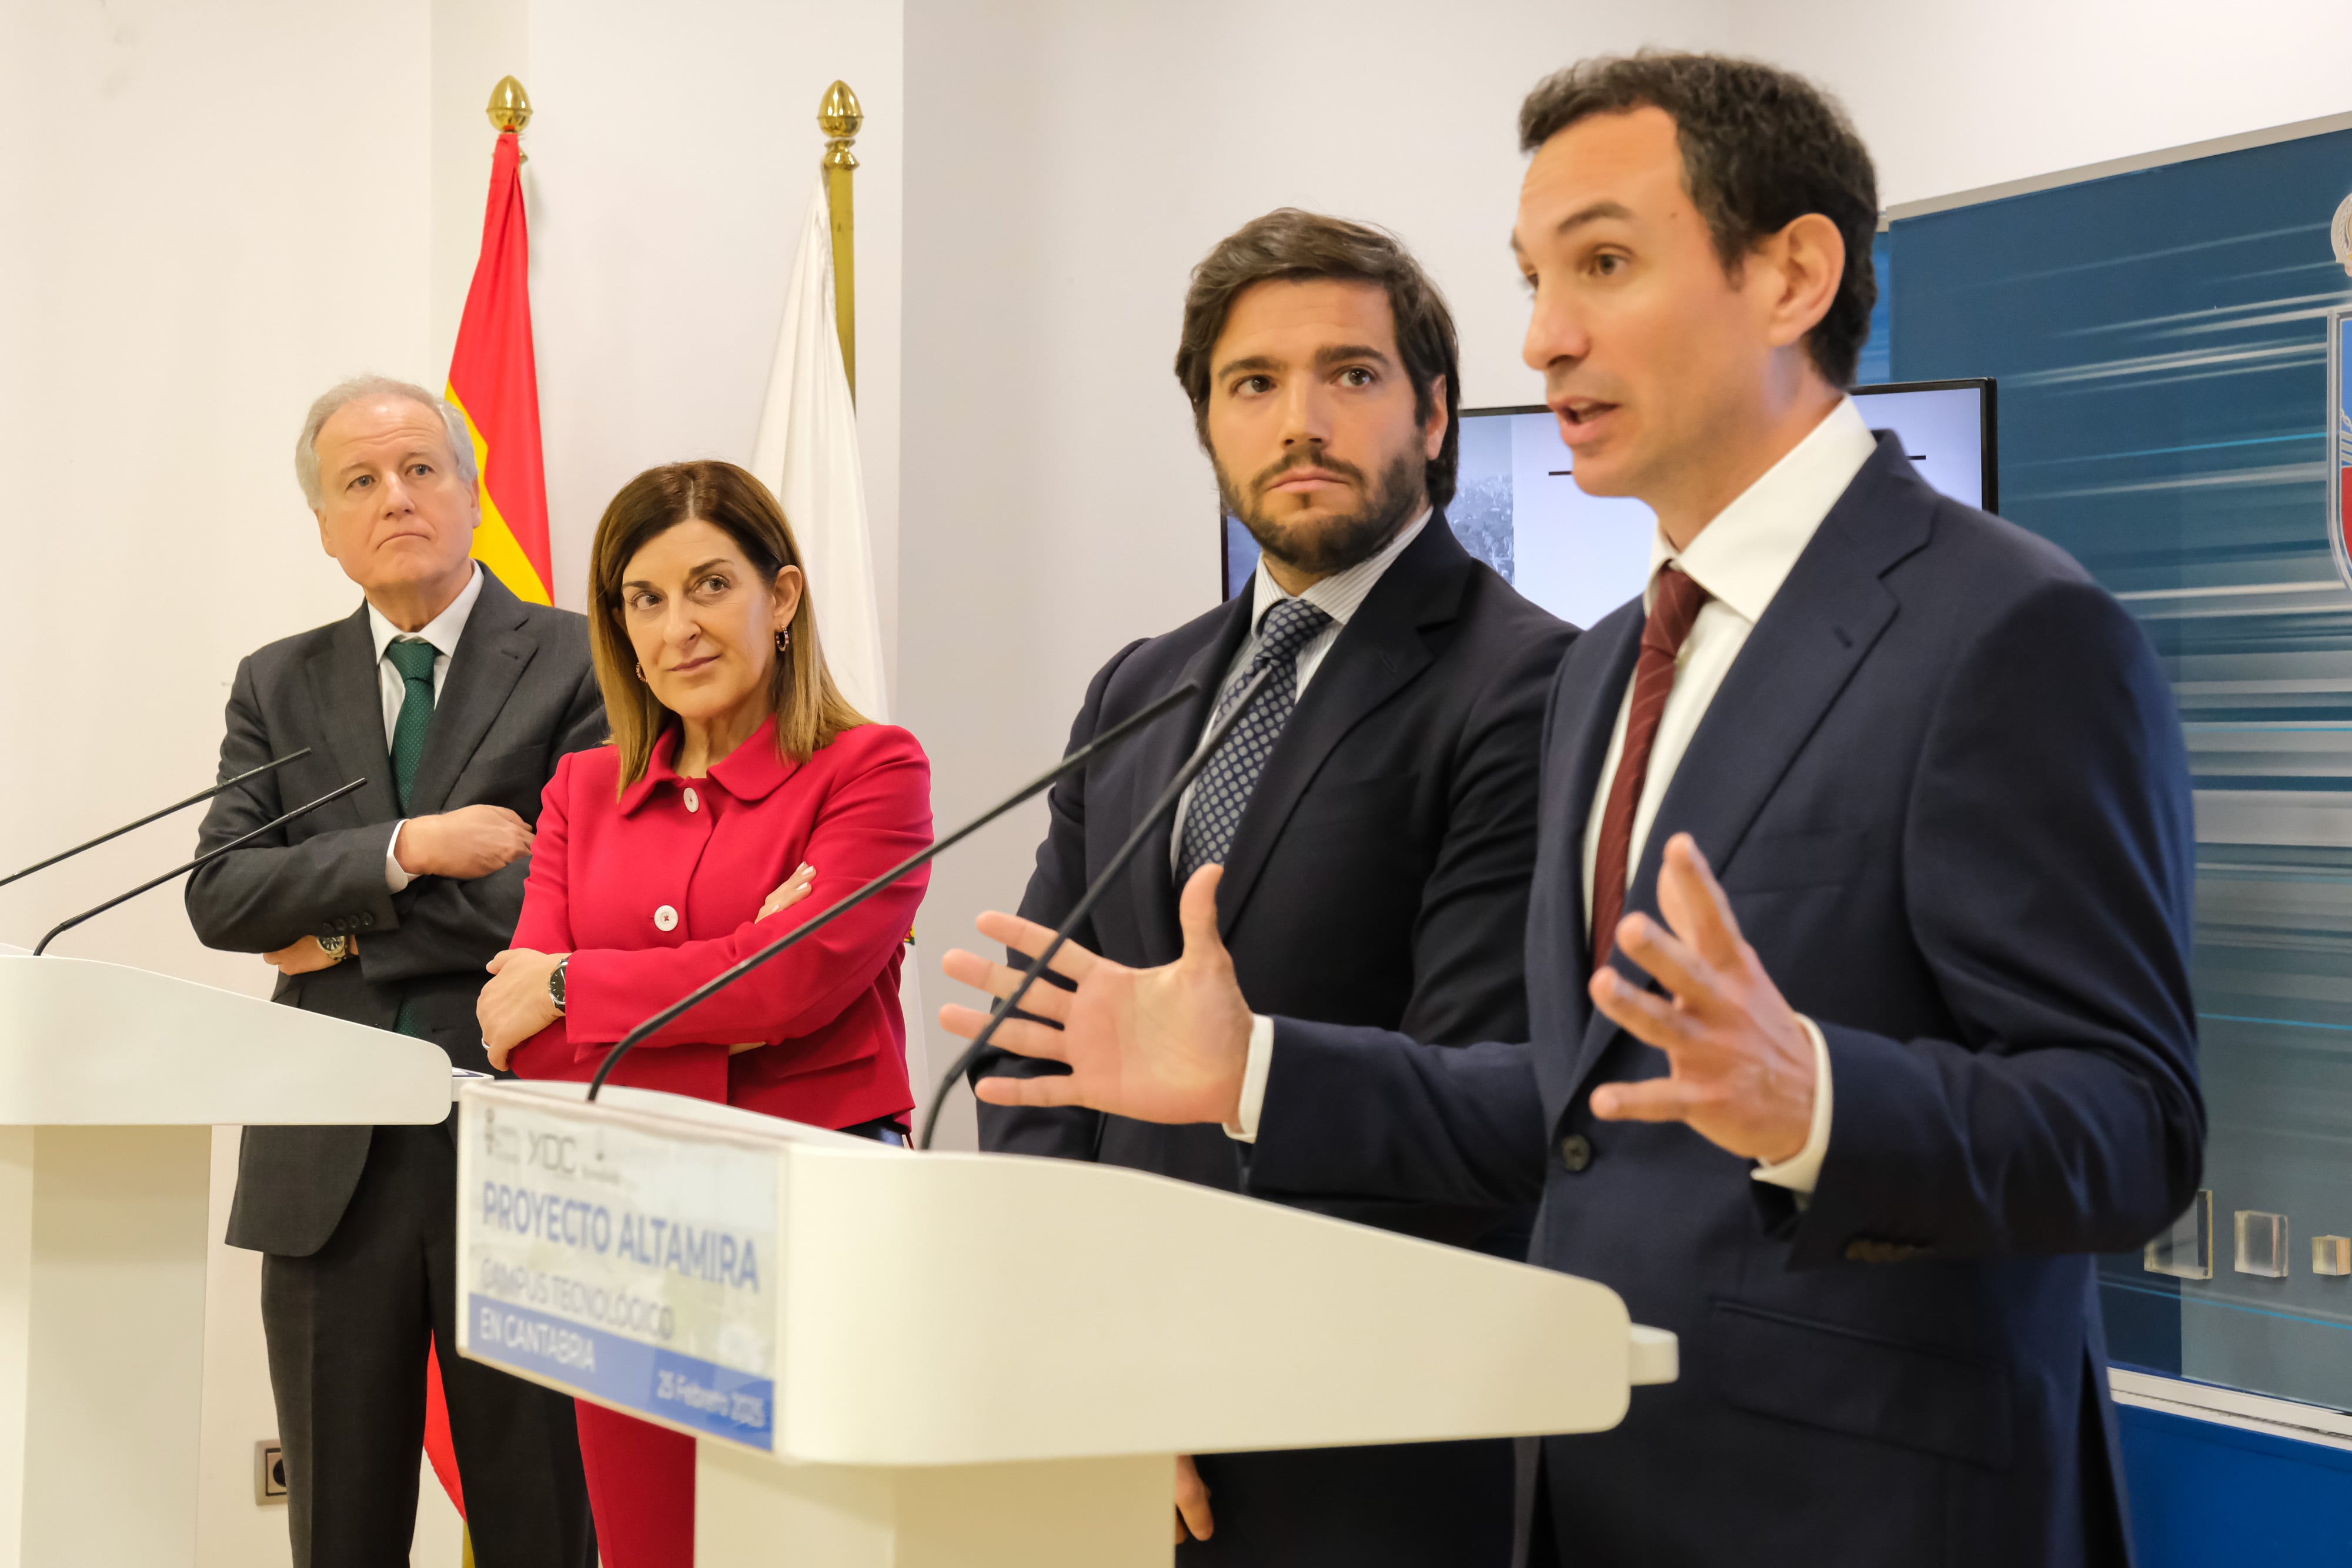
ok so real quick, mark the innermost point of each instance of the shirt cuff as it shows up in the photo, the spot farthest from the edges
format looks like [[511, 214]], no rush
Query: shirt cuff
[[394, 877], [1243, 1128], [1801, 1171]]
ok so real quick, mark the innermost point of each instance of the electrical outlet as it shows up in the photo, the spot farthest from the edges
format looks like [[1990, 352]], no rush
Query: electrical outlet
[[268, 1472]]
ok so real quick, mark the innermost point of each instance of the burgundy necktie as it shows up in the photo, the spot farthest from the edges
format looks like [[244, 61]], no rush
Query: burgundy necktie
[[1675, 604]]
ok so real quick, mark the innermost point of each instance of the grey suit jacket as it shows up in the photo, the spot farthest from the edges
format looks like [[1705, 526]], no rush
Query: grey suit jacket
[[519, 693]]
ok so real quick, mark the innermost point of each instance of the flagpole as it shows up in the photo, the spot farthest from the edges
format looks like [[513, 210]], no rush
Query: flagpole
[[839, 118]]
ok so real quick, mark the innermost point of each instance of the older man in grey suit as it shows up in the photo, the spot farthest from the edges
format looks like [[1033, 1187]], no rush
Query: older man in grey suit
[[454, 699]]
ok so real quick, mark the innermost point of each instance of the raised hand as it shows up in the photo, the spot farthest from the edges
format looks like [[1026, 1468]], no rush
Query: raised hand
[[1740, 1062], [1158, 1045]]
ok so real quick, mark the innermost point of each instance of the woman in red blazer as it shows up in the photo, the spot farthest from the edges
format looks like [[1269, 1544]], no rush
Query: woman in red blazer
[[738, 784]]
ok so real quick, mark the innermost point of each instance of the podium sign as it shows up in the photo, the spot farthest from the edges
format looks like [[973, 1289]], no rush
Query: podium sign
[[777, 1291], [637, 1268]]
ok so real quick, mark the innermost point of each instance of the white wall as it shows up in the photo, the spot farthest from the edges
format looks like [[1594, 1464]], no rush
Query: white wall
[[212, 212], [673, 154], [1954, 97]]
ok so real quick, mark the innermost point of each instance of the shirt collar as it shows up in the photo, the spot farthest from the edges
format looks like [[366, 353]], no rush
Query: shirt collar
[[1748, 551], [1341, 594], [443, 631], [748, 773]]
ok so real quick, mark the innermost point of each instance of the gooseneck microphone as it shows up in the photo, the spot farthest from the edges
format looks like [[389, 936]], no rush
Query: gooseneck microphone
[[703, 993], [156, 816], [64, 925], [1161, 809]]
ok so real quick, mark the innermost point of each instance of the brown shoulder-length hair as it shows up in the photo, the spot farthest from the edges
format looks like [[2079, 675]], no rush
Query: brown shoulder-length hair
[[810, 709]]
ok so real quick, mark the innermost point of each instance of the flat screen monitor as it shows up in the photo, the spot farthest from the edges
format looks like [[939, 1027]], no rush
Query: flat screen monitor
[[1516, 507]]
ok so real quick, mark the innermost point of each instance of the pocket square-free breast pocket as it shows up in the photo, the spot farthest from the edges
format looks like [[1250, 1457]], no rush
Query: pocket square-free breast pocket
[[1772, 862]]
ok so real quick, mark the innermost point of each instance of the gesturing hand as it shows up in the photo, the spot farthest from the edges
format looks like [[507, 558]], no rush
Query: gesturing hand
[[1158, 1045], [1740, 1064]]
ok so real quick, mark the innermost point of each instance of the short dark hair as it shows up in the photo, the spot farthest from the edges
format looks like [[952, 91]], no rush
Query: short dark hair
[[1291, 246], [1762, 148]]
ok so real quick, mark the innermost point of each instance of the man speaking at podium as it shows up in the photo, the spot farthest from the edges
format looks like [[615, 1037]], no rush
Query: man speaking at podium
[[454, 699], [1881, 1018], [1375, 812]]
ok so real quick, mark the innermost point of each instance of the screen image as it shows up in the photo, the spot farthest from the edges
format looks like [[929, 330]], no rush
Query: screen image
[[1516, 506]]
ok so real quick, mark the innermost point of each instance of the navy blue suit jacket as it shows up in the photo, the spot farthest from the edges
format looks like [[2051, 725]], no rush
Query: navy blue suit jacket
[[1945, 789]]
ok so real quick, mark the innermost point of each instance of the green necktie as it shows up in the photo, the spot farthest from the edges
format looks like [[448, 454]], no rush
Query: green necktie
[[413, 657]]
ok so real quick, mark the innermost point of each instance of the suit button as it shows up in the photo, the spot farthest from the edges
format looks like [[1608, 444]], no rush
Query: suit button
[[693, 801], [367, 920], [666, 919], [1575, 1151]]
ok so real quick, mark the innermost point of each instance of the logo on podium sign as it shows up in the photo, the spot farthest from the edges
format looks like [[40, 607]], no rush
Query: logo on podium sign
[[630, 1264]]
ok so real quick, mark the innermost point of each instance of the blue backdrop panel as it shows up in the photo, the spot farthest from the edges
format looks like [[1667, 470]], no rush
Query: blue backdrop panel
[[2206, 1496], [2160, 344]]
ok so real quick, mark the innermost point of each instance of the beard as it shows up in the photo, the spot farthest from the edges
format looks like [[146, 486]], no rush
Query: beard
[[1334, 544]]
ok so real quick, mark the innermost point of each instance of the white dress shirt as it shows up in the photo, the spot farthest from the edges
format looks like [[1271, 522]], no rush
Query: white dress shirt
[[1339, 596], [1740, 558], [443, 632]]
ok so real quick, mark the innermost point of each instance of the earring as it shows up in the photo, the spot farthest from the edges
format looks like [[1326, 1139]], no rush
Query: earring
[[641, 672], [783, 639]]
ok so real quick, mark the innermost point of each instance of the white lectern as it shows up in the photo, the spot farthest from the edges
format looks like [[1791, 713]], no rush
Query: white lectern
[[903, 1361], [111, 1080]]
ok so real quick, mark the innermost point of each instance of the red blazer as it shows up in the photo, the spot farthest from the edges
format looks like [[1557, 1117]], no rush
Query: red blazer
[[655, 892]]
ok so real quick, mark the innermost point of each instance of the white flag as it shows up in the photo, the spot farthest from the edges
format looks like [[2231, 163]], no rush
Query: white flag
[[806, 452]]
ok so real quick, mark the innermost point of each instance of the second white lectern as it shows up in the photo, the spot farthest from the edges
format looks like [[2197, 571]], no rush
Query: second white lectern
[[111, 1080], [902, 1361]]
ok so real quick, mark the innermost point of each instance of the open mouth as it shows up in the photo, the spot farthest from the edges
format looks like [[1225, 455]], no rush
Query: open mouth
[[1579, 411]]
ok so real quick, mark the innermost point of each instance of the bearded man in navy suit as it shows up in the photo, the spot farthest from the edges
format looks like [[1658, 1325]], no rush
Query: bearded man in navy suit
[[1857, 949]]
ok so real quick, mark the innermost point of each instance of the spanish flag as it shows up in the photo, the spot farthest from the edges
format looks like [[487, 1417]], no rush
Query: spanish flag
[[494, 382]]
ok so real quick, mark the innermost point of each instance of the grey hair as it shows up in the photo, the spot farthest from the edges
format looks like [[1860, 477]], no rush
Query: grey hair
[[306, 448]]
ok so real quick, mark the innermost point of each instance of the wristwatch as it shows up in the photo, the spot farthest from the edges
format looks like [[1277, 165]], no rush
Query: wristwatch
[[336, 948], [555, 984]]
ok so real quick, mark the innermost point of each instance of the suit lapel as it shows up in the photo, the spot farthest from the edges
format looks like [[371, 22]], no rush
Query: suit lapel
[[348, 694], [491, 655], [1815, 633], [1586, 695], [1380, 649], [1159, 752]]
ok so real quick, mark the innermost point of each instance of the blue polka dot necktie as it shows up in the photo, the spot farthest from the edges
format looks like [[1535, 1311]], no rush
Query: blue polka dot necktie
[[1225, 786], [413, 657]]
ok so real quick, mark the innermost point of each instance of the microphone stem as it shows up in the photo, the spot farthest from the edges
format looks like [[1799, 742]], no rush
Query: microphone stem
[[64, 925], [156, 816], [1163, 807]]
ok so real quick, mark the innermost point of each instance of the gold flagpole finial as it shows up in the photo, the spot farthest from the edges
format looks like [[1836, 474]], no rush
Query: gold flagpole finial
[[509, 105], [839, 118]]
